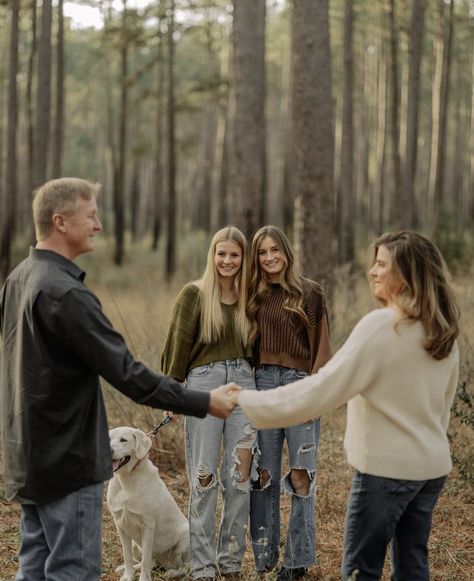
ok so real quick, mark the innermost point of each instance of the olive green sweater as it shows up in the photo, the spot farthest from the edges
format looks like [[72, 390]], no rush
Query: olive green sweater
[[183, 349]]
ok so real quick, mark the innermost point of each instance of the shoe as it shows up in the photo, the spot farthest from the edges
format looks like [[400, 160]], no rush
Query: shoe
[[286, 574]]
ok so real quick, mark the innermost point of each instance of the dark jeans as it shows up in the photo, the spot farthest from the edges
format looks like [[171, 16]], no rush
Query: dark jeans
[[384, 510]]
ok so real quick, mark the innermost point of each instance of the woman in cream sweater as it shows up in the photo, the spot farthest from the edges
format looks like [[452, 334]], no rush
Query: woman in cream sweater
[[398, 371]]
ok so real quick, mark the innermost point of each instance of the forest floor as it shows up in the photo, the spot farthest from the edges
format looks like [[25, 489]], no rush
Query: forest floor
[[141, 312], [451, 543]]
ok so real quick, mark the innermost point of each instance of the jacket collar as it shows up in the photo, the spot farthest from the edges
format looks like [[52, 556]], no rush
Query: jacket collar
[[60, 260]]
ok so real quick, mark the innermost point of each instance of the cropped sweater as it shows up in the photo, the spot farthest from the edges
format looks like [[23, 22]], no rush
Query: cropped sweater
[[183, 349], [399, 399], [284, 339]]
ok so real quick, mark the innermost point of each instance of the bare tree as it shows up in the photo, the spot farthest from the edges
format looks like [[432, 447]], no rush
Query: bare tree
[[439, 112], [411, 149], [248, 118], [8, 223], [29, 100], [171, 216], [159, 143], [312, 140], [398, 198], [120, 160], [59, 119], [347, 206], [43, 97]]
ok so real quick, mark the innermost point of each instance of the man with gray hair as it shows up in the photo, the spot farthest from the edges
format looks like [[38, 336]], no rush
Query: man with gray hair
[[56, 343]]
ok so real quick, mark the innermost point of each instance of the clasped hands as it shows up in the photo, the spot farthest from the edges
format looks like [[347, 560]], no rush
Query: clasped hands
[[224, 400]]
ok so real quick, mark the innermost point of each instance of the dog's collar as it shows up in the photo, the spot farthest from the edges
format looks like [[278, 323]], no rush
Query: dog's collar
[[137, 463]]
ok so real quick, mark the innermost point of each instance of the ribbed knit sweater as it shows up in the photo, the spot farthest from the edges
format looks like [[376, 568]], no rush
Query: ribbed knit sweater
[[183, 350], [284, 339]]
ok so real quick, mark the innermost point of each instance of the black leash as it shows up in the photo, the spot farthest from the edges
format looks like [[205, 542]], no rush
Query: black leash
[[164, 421]]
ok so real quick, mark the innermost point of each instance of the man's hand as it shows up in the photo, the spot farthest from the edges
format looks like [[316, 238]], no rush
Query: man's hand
[[223, 400], [174, 417]]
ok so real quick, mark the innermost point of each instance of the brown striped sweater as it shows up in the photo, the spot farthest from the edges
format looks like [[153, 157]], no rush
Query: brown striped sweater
[[284, 339]]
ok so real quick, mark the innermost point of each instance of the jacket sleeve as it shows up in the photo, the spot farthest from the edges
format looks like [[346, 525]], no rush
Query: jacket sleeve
[[182, 332], [350, 371], [88, 333]]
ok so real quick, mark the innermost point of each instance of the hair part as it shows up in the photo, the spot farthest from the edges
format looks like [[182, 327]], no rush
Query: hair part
[[59, 196], [260, 283], [212, 315], [427, 293]]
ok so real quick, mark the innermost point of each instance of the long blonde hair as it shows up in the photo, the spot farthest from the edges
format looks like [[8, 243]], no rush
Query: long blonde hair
[[212, 315], [427, 294], [259, 286]]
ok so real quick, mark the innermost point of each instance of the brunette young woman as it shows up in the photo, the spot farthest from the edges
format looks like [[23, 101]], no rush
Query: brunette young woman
[[398, 371], [290, 330], [207, 345]]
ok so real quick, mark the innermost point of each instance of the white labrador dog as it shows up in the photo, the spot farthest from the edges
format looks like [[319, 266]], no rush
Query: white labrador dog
[[143, 509]]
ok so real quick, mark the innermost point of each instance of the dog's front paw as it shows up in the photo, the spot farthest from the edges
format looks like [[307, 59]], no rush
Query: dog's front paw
[[127, 573]]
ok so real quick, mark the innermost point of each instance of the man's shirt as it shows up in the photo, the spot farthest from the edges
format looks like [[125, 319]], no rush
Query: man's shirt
[[56, 343]]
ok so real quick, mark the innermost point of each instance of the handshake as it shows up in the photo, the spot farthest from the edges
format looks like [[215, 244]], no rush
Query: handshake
[[223, 400]]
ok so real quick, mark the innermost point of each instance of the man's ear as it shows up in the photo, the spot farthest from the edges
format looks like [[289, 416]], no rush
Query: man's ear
[[59, 223], [142, 444]]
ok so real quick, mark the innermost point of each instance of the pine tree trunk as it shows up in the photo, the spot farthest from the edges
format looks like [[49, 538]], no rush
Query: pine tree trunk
[[43, 99], [9, 215], [347, 206], [248, 122], [312, 140], [172, 206], [398, 198], [439, 113], [59, 120], [120, 169], [411, 148], [158, 161]]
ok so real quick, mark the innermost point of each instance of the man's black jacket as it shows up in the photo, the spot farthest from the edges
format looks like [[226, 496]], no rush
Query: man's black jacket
[[56, 343]]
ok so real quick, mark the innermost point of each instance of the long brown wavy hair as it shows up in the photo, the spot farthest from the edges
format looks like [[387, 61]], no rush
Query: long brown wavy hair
[[259, 286], [427, 294]]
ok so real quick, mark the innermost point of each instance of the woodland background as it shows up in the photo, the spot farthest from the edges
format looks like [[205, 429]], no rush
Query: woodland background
[[336, 120]]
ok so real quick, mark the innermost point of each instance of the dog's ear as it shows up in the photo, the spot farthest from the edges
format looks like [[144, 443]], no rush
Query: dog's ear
[[142, 444]]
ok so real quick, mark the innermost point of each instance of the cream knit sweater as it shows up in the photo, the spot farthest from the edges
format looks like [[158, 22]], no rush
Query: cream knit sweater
[[399, 399]]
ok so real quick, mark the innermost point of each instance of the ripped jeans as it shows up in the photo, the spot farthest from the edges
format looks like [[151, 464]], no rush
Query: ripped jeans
[[302, 441], [203, 445]]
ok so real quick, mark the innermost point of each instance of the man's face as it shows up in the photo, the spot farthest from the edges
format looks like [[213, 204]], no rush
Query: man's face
[[81, 227]]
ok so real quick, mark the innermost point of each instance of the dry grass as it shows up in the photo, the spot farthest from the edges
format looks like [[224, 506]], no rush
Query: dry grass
[[138, 302]]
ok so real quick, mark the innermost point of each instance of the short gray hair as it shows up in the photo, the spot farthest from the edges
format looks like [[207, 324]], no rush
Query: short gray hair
[[59, 196]]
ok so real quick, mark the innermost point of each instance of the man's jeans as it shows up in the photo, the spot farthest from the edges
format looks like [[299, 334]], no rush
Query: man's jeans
[[203, 445], [61, 540], [384, 510], [302, 441]]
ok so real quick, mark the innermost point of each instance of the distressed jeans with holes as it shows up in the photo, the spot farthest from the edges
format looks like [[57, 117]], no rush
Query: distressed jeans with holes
[[388, 510], [302, 441], [203, 445]]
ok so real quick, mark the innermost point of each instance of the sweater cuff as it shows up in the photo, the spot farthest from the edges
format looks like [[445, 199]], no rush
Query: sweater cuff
[[197, 401]]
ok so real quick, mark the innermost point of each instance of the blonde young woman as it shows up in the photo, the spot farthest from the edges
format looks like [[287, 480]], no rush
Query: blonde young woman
[[398, 370], [208, 345], [290, 329]]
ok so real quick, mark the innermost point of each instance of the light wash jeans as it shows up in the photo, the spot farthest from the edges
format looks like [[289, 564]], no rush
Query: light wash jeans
[[203, 445], [383, 510], [61, 540], [302, 441]]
